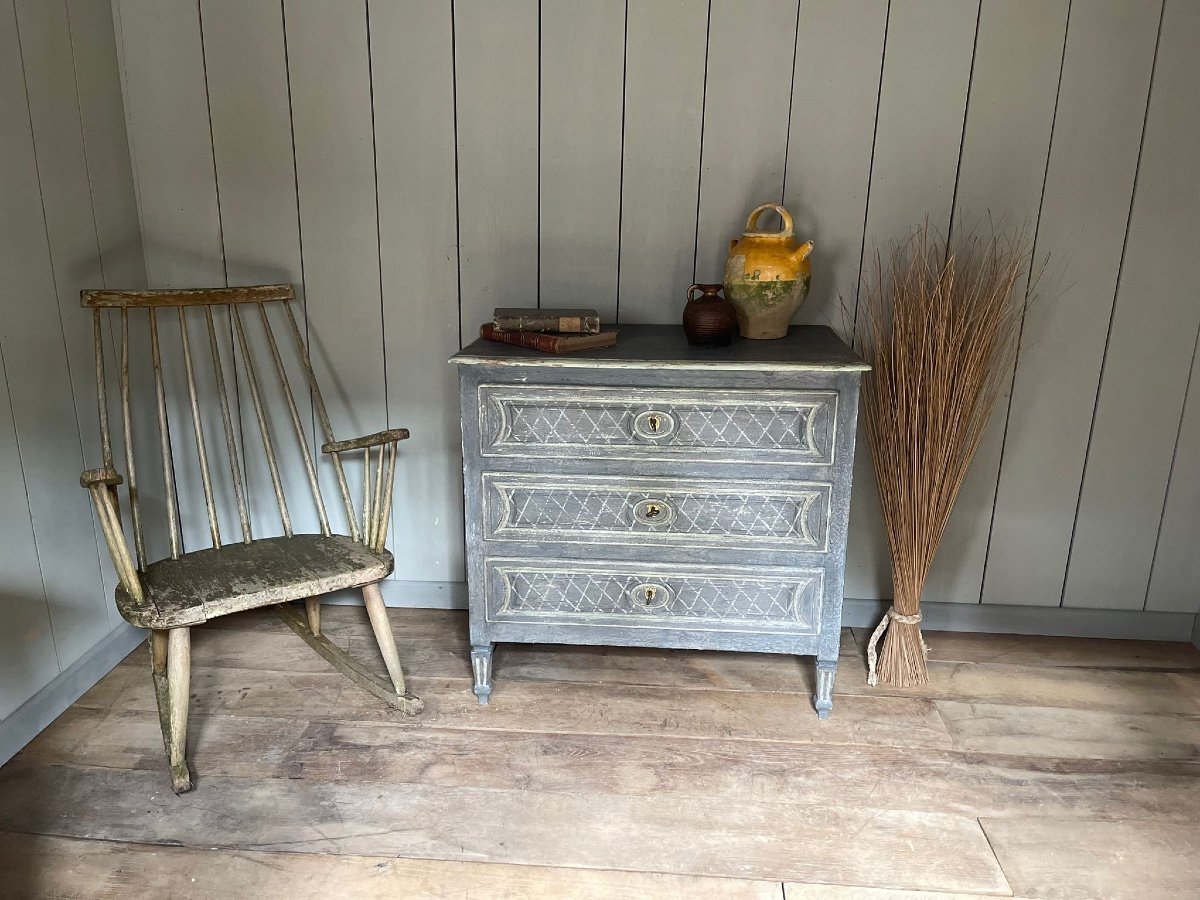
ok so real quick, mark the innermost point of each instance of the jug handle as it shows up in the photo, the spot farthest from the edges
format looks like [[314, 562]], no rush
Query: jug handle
[[788, 229], [690, 298]]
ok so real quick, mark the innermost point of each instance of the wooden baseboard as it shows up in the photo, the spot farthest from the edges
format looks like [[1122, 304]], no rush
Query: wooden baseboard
[[1049, 620], [68, 686], [411, 595], [996, 619]]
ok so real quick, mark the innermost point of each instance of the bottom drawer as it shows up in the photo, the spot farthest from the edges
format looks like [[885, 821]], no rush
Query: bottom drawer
[[649, 595]]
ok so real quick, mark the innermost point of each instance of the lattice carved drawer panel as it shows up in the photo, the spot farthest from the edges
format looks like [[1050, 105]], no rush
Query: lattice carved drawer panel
[[642, 423], [790, 517], [720, 598]]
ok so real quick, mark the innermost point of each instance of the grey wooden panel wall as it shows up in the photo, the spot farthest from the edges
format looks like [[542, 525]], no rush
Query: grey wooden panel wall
[[67, 220], [414, 165]]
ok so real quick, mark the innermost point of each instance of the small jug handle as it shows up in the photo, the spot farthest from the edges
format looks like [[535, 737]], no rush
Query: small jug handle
[[703, 288], [788, 229]]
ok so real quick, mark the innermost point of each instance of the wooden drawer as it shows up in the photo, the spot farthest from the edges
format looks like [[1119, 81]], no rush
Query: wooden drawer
[[663, 596], [657, 512], [660, 424]]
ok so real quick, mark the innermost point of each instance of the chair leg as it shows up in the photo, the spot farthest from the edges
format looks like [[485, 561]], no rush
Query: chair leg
[[312, 606], [383, 635], [158, 651], [179, 670]]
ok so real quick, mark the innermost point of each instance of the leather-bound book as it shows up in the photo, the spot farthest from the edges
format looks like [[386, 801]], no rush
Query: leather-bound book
[[567, 321], [550, 343]]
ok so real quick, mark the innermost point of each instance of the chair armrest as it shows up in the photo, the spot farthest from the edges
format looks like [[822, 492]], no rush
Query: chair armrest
[[101, 484], [391, 436], [106, 476]]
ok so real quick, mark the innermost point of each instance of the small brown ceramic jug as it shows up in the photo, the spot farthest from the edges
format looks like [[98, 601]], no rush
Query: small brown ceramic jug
[[708, 320]]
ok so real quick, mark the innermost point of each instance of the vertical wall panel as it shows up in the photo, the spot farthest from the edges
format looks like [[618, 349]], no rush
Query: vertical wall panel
[[1105, 77], [330, 75], [1175, 577], [256, 184], [39, 383], [1005, 145], [664, 109], [114, 210], [582, 54], [166, 104], [413, 65], [1151, 341], [102, 116], [922, 103], [167, 107], [62, 168], [27, 658], [746, 107], [496, 64], [835, 91], [926, 71], [63, 149]]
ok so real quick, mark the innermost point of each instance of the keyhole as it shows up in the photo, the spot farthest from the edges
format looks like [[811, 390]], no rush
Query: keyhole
[[650, 592], [653, 422], [653, 511]]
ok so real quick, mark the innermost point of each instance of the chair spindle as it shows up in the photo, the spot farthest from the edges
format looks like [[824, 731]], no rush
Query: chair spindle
[[164, 441], [101, 390], [127, 429], [366, 505], [309, 468], [210, 506], [323, 418], [235, 470], [376, 509], [386, 509], [263, 427]]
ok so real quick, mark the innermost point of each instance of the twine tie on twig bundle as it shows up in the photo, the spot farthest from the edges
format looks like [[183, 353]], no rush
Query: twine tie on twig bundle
[[872, 656]]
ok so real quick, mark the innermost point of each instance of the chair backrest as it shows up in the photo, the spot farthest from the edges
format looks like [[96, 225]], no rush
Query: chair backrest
[[185, 362]]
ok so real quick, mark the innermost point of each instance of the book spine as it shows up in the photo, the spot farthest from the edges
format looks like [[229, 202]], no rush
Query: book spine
[[564, 324], [532, 339]]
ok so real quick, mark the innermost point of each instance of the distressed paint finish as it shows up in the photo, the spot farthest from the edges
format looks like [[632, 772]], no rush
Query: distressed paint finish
[[660, 495]]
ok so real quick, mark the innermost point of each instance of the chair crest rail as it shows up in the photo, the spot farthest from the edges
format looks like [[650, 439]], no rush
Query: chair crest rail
[[259, 293], [176, 368]]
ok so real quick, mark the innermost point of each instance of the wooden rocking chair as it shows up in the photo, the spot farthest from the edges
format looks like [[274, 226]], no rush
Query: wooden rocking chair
[[189, 587]]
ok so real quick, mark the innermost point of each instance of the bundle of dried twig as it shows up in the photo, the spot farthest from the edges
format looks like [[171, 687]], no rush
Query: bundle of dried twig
[[939, 324]]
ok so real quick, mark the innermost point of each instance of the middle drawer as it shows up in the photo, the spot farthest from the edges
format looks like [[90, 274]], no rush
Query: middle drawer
[[602, 509]]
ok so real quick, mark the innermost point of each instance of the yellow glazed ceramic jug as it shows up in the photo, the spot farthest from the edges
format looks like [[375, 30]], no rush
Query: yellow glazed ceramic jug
[[767, 275]]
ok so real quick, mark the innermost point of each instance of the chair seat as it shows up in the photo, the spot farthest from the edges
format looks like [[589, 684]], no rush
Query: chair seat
[[209, 583]]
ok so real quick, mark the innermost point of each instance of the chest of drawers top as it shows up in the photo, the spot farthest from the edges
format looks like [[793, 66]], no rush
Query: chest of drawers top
[[806, 348]]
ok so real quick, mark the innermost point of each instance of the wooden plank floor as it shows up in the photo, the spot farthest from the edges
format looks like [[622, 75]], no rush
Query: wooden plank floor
[[1028, 767]]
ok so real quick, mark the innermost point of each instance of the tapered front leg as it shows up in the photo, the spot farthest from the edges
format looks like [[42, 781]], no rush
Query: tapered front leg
[[179, 672], [823, 700], [481, 665], [382, 627]]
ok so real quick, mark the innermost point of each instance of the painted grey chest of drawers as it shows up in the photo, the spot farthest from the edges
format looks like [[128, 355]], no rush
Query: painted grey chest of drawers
[[659, 495]]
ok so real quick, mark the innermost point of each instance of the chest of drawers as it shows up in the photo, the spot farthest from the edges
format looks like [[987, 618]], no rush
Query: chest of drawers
[[654, 494]]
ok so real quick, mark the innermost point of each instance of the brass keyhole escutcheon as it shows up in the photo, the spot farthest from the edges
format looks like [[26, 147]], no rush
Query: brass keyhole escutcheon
[[653, 425], [650, 595], [655, 512]]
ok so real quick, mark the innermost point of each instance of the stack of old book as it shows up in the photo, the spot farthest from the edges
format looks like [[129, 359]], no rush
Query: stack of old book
[[551, 330]]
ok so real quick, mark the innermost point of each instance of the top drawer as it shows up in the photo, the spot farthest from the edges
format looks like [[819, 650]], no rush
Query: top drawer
[[661, 424]]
